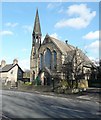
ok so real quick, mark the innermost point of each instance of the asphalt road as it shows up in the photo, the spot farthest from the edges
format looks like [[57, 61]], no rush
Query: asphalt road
[[30, 105]]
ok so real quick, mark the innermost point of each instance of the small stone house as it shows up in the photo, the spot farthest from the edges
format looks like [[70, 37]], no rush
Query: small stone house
[[10, 72]]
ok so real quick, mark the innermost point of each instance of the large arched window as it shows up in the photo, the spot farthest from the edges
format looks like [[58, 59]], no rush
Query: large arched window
[[41, 61], [48, 57], [55, 59]]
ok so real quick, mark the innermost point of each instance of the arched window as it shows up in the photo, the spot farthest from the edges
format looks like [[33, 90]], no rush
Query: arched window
[[33, 74], [55, 59], [37, 40], [41, 61], [48, 57]]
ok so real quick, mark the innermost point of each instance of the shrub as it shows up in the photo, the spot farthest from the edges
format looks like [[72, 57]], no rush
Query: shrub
[[28, 83]]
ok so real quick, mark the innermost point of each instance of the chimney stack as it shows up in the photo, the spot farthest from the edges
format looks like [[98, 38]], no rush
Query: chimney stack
[[15, 61], [3, 63]]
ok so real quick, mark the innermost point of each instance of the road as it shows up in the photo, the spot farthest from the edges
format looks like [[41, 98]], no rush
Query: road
[[30, 105]]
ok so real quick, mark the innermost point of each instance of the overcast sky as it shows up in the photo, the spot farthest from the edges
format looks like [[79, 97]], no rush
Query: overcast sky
[[77, 22]]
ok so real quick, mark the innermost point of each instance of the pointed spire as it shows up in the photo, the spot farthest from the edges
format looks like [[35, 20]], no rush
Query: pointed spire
[[37, 28]]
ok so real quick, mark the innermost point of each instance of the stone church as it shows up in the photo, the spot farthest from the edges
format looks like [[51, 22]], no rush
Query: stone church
[[48, 57]]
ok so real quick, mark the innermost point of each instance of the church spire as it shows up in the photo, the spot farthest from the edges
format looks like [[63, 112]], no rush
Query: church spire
[[37, 28]]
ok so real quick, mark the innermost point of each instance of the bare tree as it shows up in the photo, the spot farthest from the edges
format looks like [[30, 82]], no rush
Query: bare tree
[[73, 70]]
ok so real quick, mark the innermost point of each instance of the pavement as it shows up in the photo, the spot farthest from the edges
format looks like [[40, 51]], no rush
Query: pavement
[[91, 94]]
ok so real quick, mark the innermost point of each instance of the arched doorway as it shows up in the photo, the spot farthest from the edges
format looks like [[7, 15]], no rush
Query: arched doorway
[[45, 76]]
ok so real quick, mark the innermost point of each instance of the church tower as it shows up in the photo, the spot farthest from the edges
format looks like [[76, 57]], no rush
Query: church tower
[[36, 43]]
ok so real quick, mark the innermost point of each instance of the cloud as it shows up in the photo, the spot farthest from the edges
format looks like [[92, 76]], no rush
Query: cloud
[[93, 49], [54, 5], [94, 46], [80, 17], [55, 35], [92, 35], [24, 64], [6, 32], [50, 5], [94, 60], [91, 58], [61, 10], [27, 28], [42, 39], [11, 24], [24, 50]]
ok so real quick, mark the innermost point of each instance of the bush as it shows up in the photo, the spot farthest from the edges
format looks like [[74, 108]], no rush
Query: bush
[[28, 83], [64, 84]]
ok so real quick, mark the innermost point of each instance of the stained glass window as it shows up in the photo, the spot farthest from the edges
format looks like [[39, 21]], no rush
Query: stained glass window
[[48, 57], [55, 59], [41, 61]]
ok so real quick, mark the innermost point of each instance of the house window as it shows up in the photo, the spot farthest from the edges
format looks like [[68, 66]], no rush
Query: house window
[[20, 72], [12, 72]]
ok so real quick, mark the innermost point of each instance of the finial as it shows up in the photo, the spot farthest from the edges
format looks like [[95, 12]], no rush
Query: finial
[[66, 41]]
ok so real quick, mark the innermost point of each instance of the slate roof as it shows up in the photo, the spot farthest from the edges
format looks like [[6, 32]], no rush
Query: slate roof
[[70, 55], [63, 47], [69, 50], [83, 56], [8, 67]]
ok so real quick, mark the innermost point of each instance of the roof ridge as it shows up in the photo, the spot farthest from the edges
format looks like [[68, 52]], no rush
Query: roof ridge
[[64, 47], [61, 41], [8, 64]]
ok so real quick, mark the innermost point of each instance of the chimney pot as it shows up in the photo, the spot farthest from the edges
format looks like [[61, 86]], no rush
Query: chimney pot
[[3, 63], [15, 61]]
